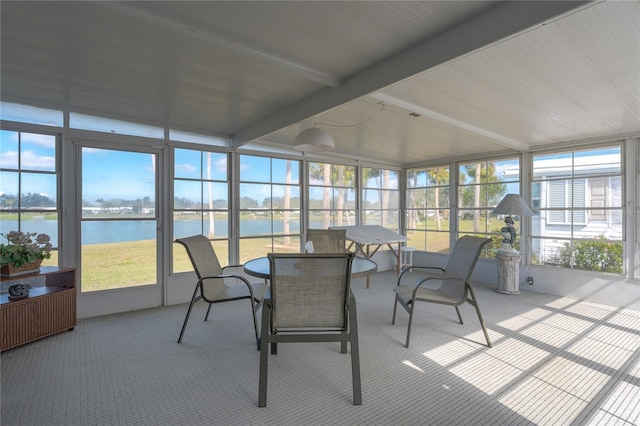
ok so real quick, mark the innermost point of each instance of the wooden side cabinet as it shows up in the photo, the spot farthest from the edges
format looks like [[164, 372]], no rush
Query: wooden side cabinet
[[49, 309]]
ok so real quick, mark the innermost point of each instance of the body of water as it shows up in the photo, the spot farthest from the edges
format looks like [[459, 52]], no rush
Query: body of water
[[99, 232]]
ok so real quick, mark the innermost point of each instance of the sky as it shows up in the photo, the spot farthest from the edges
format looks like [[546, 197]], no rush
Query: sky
[[38, 154], [108, 174], [111, 174]]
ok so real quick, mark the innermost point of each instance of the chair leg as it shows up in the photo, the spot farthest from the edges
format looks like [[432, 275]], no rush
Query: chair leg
[[395, 306], [346, 333], [206, 317], [413, 304], [475, 305], [194, 299], [254, 308], [355, 355], [264, 356], [459, 316]]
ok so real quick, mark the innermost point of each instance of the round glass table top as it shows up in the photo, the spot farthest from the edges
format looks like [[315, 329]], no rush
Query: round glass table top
[[260, 267]]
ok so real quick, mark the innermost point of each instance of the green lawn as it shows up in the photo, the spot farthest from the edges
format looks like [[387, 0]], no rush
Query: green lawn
[[126, 264], [117, 265]]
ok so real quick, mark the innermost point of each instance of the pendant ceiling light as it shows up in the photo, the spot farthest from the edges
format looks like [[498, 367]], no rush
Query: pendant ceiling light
[[314, 140], [319, 140]]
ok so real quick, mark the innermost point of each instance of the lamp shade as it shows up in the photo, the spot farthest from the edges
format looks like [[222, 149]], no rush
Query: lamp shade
[[314, 140], [513, 204]]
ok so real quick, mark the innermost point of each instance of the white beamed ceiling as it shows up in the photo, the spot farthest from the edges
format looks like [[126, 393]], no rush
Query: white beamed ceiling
[[483, 76]]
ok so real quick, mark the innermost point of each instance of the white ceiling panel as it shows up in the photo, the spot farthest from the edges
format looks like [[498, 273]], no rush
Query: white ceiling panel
[[483, 76]]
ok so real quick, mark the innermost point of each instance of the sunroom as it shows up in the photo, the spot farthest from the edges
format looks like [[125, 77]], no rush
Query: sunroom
[[126, 125]]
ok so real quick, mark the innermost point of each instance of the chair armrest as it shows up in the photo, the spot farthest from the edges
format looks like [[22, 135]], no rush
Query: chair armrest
[[225, 276], [431, 271], [424, 267], [235, 270], [417, 286]]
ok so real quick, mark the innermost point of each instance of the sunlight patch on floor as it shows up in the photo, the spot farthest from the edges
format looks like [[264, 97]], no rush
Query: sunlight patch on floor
[[548, 334], [519, 354], [412, 365], [486, 372], [568, 323], [597, 352], [629, 340], [543, 403], [537, 313], [591, 310], [625, 318], [572, 377], [622, 406], [451, 352], [517, 323], [561, 303]]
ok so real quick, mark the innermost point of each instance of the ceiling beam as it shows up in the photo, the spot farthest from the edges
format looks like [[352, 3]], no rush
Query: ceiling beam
[[503, 20], [412, 107]]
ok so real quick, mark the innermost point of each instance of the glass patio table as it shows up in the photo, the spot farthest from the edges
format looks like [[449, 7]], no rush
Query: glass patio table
[[259, 267]]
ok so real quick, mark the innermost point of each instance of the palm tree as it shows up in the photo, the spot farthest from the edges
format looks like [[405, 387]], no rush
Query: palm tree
[[438, 176], [490, 194], [287, 203]]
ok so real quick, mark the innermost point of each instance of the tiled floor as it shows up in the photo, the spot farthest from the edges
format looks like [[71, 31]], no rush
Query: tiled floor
[[554, 361]]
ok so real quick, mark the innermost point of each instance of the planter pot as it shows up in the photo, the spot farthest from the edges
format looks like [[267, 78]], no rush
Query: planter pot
[[29, 268]]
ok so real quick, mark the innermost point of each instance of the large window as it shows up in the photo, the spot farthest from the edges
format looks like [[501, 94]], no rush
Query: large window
[[380, 198], [270, 206], [482, 184], [332, 195], [428, 209], [120, 219], [578, 201], [200, 202], [29, 185]]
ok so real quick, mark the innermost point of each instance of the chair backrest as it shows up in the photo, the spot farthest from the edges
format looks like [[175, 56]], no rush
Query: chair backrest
[[327, 240], [308, 247], [205, 263], [310, 292], [464, 257]]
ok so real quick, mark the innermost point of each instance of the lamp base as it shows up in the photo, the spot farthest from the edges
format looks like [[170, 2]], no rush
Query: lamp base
[[508, 272], [507, 291]]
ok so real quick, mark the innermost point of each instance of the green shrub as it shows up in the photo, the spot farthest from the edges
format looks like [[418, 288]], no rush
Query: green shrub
[[595, 254]]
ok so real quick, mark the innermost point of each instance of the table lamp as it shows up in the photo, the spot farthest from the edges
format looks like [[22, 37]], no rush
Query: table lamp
[[511, 204], [508, 258]]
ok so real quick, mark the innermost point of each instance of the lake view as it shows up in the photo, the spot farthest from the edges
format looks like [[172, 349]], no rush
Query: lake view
[[99, 232]]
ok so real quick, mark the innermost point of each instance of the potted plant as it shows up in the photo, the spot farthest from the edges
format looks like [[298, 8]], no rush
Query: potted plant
[[24, 252]]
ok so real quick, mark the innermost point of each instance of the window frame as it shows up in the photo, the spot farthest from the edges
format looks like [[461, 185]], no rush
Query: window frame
[[276, 241], [222, 243], [331, 214], [412, 187], [552, 248], [19, 170], [384, 214]]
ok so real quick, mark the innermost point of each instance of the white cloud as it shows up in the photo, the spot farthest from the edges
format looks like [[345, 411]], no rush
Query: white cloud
[[46, 141], [31, 160], [9, 158]]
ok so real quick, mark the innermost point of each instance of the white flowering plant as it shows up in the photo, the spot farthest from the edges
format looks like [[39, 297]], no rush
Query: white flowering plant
[[24, 248]]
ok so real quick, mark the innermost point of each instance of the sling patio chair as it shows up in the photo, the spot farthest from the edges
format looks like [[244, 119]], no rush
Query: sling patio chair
[[448, 286], [309, 300], [326, 240], [217, 284]]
